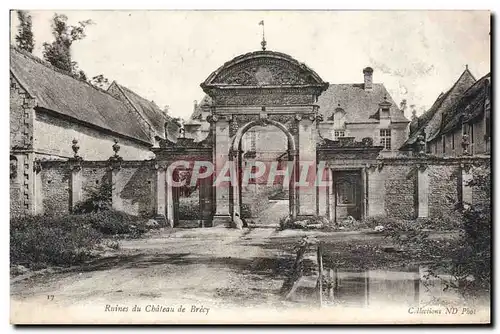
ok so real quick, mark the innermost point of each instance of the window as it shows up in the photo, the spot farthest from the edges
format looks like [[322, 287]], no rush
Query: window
[[453, 142], [385, 138], [443, 140], [339, 133]]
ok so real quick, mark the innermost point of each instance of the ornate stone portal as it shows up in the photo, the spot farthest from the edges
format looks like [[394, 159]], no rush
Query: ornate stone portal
[[263, 88]]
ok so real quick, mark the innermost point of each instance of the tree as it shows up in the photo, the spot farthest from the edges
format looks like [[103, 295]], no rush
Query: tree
[[24, 37], [100, 81], [58, 53]]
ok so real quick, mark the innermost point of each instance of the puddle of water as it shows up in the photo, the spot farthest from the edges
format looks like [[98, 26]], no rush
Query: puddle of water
[[382, 288]]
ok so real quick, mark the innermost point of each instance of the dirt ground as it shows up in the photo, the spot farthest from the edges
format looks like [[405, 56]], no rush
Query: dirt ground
[[214, 264], [205, 268]]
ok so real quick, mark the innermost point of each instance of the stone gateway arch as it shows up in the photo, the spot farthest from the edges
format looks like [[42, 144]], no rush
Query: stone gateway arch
[[263, 88]]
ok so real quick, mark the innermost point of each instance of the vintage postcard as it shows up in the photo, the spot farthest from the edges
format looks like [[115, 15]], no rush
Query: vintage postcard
[[250, 167]]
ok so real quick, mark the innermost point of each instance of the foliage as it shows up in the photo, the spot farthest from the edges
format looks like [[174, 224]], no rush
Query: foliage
[[98, 199], [24, 37], [470, 264], [37, 241], [113, 222], [189, 210], [69, 239], [100, 81], [58, 53]]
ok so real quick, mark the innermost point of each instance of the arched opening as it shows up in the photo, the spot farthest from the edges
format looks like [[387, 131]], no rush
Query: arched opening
[[265, 161]]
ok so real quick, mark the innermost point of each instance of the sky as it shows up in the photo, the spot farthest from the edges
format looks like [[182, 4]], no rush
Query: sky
[[165, 55]]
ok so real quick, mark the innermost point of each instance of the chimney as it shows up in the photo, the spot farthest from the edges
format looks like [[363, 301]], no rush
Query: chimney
[[402, 105], [368, 73]]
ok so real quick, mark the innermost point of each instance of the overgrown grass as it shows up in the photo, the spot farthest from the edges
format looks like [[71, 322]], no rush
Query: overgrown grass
[[70, 239]]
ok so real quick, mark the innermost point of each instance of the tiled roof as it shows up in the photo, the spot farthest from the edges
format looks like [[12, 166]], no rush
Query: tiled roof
[[360, 105], [59, 92], [150, 111], [470, 106], [442, 103], [207, 100]]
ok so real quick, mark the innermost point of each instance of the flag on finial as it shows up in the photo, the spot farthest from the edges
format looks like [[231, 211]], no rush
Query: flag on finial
[[263, 43]]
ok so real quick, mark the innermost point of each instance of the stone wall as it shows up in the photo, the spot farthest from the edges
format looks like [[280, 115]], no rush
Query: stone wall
[[132, 185], [394, 188], [135, 189], [406, 188], [21, 116], [444, 185], [400, 188], [55, 189]]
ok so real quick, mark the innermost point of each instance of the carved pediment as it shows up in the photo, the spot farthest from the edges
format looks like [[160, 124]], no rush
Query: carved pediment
[[264, 73], [261, 69]]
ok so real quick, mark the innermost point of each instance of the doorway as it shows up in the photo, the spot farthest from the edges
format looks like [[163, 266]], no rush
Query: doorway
[[347, 186]]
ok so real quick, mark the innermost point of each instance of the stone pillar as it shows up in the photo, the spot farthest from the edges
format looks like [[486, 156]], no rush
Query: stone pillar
[[364, 191], [307, 161], [38, 190], [222, 144], [160, 188], [116, 201], [235, 187], [115, 167], [376, 190], [331, 197], [169, 196], [322, 189], [28, 183], [466, 188], [75, 186], [423, 191], [292, 191]]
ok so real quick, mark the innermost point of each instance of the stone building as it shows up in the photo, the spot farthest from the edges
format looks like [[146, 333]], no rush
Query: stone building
[[351, 113], [466, 125], [429, 124], [344, 136], [355, 110], [49, 109]]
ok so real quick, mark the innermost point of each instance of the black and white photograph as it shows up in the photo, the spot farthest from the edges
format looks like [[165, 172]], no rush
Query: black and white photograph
[[250, 167]]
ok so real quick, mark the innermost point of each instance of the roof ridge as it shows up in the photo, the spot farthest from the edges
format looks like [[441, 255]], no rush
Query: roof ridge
[[136, 94], [56, 69], [468, 71]]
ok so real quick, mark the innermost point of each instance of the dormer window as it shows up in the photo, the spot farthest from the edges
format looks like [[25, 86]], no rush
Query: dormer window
[[339, 120], [384, 108], [339, 133]]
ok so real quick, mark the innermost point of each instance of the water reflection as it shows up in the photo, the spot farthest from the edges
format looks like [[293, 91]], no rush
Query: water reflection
[[372, 288]]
